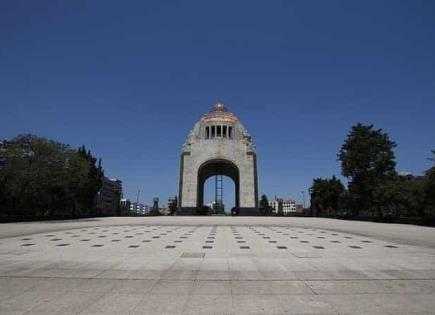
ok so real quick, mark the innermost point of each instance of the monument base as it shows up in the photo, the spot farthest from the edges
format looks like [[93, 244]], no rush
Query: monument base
[[187, 211], [194, 211], [249, 212]]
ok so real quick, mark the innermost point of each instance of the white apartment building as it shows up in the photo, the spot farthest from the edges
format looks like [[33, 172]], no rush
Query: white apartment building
[[287, 206], [139, 208]]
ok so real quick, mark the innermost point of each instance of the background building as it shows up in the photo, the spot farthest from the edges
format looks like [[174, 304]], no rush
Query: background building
[[125, 203], [140, 208], [217, 208], [283, 206]]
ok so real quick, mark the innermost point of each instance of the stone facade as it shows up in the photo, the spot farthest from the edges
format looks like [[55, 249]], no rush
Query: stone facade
[[218, 144]]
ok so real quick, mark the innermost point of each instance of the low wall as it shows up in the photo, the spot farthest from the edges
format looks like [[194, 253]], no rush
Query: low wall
[[31, 218]]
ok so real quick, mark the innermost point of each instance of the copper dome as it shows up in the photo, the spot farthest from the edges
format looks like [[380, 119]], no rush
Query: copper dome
[[219, 113]]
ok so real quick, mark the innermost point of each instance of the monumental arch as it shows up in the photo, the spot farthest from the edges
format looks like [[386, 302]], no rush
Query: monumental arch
[[218, 144]]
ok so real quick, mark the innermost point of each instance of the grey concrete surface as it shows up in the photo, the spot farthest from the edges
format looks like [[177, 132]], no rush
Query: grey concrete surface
[[216, 265], [402, 233]]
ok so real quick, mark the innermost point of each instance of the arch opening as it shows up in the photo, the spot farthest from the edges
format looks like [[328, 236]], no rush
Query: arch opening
[[219, 202], [215, 168]]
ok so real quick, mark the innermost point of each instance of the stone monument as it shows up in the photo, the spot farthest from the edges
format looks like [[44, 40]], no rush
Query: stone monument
[[218, 144]]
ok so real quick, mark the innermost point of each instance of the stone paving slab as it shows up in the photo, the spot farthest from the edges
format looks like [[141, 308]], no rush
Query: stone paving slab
[[408, 234], [213, 269]]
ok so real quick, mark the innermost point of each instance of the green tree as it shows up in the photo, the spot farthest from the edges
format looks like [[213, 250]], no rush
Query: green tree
[[265, 208], [173, 207], [400, 196], [43, 177], [34, 175], [429, 190], [325, 195], [93, 183], [367, 160]]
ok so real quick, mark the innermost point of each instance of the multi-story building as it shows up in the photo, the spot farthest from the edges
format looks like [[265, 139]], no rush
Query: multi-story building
[[283, 206], [139, 208], [109, 196], [125, 203]]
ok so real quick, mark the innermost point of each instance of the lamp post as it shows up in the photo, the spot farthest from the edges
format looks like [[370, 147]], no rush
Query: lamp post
[[303, 197]]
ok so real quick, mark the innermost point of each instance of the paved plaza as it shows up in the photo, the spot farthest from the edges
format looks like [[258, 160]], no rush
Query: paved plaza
[[216, 265]]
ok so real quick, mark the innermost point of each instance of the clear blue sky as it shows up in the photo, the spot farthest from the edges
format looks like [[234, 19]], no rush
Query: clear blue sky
[[130, 78]]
